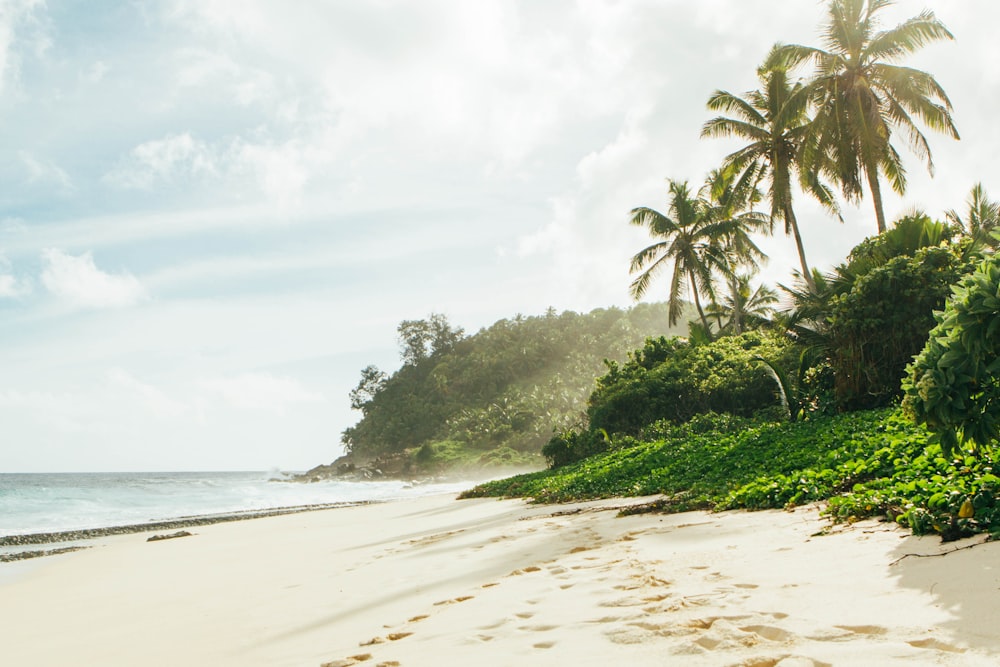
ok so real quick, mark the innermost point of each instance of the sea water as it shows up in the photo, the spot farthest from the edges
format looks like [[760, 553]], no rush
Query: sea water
[[51, 502]]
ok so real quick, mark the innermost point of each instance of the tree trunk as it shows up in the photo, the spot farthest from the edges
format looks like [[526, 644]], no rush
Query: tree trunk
[[876, 190], [734, 287], [794, 224], [697, 304]]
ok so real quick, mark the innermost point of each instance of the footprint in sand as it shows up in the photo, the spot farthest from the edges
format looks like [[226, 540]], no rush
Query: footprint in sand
[[347, 662], [396, 636], [538, 628], [863, 629], [782, 661], [936, 644], [454, 600], [544, 645], [606, 619], [525, 615], [768, 632]]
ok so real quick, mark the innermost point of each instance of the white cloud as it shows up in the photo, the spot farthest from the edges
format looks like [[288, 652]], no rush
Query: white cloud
[[260, 391], [10, 287], [17, 25], [159, 160], [78, 281]]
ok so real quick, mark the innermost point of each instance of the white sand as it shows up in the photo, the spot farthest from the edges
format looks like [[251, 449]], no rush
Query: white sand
[[442, 582]]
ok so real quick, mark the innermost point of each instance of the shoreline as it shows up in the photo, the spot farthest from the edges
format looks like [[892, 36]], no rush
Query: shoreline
[[434, 580], [90, 534]]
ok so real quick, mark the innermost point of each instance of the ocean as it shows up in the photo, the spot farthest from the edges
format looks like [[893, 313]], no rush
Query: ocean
[[51, 502]]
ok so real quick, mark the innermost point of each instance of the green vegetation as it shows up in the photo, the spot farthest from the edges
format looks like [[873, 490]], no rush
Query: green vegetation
[[861, 96], [700, 236], [953, 385], [494, 398], [675, 380], [783, 415], [867, 463]]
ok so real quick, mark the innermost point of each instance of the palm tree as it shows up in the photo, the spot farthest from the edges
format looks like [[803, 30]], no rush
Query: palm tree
[[861, 97], [774, 122], [981, 217], [744, 308], [690, 241], [700, 237]]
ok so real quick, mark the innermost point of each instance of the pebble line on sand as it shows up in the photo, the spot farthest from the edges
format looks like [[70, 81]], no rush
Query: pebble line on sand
[[182, 522]]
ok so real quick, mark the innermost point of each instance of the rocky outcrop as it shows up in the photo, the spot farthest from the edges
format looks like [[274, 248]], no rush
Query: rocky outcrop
[[347, 468]]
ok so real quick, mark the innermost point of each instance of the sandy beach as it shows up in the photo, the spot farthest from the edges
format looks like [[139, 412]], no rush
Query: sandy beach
[[436, 581]]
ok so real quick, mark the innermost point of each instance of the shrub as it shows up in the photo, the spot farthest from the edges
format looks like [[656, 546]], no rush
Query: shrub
[[953, 385], [670, 379], [877, 327]]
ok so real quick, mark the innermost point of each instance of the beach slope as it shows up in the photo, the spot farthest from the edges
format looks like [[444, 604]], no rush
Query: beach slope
[[435, 581]]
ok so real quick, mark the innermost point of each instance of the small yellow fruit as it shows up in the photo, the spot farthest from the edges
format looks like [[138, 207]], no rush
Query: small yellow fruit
[[967, 510]]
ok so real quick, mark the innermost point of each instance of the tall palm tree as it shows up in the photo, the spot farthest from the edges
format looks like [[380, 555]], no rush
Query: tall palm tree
[[861, 97], [699, 237], [774, 122], [981, 217]]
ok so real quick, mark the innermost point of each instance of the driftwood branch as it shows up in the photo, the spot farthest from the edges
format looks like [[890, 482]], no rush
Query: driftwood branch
[[943, 553]]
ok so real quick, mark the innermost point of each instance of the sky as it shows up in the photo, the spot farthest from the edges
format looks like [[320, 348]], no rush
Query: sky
[[214, 213]]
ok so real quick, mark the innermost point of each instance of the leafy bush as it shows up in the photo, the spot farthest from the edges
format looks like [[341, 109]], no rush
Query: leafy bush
[[953, 385], [673, 380], [875, 328], [572, 446]]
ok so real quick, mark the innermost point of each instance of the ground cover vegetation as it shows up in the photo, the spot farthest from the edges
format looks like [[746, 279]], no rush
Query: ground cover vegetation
[[807, 405]]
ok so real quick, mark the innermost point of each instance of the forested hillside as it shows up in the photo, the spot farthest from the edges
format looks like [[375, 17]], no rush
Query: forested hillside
[[493, 398]]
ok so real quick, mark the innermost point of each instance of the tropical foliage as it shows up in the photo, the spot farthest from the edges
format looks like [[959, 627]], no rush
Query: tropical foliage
[[981, 218], [700, 238], [862, 97], [757, 406], [953, 385], [774, 123], [673, 380], [505, 389], [865, 464]]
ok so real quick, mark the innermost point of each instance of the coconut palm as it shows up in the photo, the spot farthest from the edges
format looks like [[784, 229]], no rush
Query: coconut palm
[[743, 307], [774, 122], [699, 238], [689, 241], [981, 217], [861, 97], [728, 197]]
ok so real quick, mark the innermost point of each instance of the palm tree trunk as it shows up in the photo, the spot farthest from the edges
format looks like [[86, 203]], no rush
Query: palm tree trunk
[[734, 287], [697, 304], [794, 224], [876, 191]]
